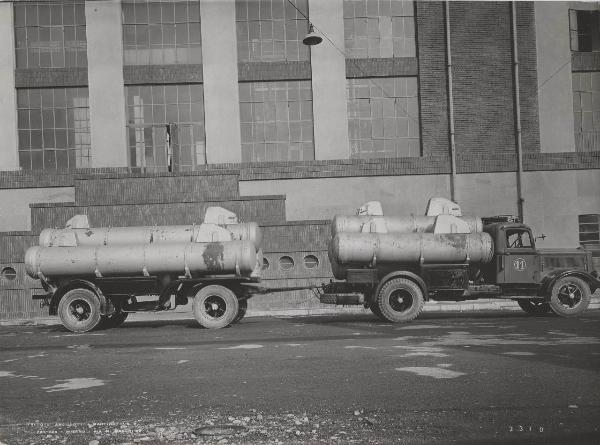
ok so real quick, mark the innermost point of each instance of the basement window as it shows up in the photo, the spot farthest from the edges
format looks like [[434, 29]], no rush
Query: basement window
[[311, 261], [286, 263], [589, 229], [8, 274]]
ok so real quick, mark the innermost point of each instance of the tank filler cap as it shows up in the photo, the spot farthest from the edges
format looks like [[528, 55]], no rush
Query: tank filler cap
[[220, 216], [450, 224], [371, 208], [442, 206], [78, 222]]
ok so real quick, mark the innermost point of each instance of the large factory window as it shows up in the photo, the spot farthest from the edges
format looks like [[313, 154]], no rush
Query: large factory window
[[165, 127], [271, 30], [50, 35], [161, 32], [379, 28], [584, 27], [383, 117], [276, 121], [54, 128], [586, 106]]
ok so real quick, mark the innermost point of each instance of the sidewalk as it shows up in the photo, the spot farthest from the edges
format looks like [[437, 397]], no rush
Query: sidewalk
[[185, 312]]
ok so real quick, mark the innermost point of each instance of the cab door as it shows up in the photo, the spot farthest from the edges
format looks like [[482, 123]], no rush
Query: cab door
[[519, 260]]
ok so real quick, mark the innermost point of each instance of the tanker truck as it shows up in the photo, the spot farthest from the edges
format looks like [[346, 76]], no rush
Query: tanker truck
[[94, 277], [393, 265]]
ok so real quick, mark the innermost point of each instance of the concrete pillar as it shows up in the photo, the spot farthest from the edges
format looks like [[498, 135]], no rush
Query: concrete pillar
[[105, 79], [557, 132], [9, 159], [220, 74], [329, 81]]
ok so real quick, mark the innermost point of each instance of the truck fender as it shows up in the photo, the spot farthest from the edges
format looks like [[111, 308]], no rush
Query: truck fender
[[549, 280], [404, 274], [74, 284]]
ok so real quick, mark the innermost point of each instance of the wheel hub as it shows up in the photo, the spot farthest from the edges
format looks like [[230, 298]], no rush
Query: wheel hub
[[80, 310], [400, 300], [215, 306], [569, 295]]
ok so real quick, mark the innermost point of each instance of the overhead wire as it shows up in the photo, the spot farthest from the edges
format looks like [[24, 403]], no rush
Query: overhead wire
[[413, 118]]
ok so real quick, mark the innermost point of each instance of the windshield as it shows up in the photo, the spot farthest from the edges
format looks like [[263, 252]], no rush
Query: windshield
[[518, 238]]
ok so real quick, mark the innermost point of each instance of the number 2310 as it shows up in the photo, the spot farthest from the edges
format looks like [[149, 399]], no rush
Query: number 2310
[[525, 429]]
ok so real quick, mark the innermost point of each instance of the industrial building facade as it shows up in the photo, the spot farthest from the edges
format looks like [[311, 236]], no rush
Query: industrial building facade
[[145, 112]]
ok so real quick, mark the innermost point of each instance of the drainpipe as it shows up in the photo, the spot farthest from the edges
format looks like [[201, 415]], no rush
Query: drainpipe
[[453, 193], [520, 200]]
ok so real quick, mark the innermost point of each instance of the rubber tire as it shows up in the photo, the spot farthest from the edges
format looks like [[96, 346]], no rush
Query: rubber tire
[[87, 297], [375, 309], [400, 284], [534, 307], [226, 297], [243, 307], [559, 308]]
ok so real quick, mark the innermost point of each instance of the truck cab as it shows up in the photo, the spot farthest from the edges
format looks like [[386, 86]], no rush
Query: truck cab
[[516, 260], [518, 263]]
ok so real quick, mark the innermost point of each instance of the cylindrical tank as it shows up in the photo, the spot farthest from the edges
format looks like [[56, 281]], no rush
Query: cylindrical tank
[[249, 231], [144, 259], [114, 236], [362, 248], [397, 224]]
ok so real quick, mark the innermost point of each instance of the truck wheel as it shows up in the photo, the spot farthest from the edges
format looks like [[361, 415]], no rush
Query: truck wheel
[[243, 307], [79, 310], [399, 300], [570, 296], [534, 307], [375, 309], [215, 306]]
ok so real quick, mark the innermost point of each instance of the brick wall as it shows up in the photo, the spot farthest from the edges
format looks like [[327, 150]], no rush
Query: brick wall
[[428, 165], [528, 78], [136, 190], [296, 236], [433, 91], [266, 71], [14, 244], [162, 74], [265, 210], [482, 77], [51, 77], [388, 67], [483, 86]]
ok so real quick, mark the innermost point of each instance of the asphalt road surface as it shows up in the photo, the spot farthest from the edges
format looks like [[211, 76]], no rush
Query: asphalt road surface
[[479, 378]]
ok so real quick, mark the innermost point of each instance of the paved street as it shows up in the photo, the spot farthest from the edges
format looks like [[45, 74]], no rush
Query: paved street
[[445, 378]]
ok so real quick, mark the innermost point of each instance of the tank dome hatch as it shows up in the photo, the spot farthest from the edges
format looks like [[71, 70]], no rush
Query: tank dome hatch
[[442, 206]]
